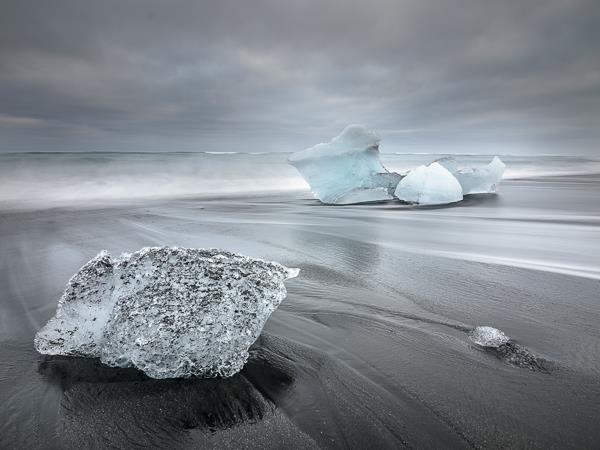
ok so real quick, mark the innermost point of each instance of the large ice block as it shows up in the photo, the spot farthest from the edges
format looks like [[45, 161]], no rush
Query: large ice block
[[171, 312], [476, 180], [346, 170], [429, 185]]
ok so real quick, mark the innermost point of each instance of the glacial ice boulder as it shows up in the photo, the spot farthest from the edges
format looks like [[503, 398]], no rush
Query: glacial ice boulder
[[488, 337], [171, 312], [346, 170], [429, 185], [476, 180]]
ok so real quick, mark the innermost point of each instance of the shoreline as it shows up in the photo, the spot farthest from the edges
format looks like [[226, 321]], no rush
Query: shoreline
[[371, 345]]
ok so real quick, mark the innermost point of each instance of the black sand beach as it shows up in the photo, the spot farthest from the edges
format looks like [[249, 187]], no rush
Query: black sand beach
[[370, 348]]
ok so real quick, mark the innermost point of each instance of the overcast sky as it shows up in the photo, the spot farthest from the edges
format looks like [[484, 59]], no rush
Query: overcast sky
[[280, 75]]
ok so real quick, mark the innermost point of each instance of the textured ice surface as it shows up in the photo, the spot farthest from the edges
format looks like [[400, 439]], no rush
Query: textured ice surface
[[171, 312], [488, 337], [478, 180], [346, 170], [429, 185]]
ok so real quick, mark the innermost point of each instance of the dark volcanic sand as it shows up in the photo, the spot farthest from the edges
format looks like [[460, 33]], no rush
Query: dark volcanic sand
[[369, 350]]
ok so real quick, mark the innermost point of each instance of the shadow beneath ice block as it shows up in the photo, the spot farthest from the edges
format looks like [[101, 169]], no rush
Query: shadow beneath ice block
[[113, 407]]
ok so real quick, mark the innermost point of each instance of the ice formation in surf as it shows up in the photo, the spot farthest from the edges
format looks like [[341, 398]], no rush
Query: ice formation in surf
[[346, 170], [476, 180], [429, 185], [488, 337], [171, 312]]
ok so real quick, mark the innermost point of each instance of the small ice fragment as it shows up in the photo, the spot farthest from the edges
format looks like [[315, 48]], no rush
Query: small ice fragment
[[347, 169], [429, 185], [477, 180], [198, 320], [488, 337]]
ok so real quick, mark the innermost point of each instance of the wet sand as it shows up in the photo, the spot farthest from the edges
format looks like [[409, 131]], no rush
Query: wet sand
[[370, 348]]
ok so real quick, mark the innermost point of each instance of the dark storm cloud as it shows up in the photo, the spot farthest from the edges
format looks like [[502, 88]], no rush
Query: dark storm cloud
[[280, 75]]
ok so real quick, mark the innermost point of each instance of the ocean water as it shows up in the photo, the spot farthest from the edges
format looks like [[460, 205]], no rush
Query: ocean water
[[371, 347], [45, 179]]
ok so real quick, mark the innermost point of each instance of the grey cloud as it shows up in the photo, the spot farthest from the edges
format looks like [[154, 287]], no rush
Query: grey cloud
[[268, 75]]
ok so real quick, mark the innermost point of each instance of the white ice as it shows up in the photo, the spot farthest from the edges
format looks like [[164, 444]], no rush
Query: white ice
[[346, 170], [488, 337], [477, 180], [429, 185], [171, 312]]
